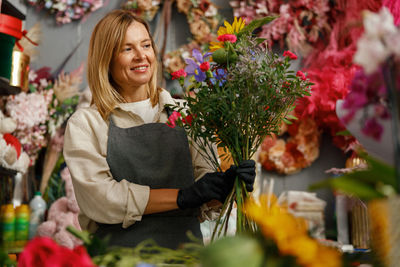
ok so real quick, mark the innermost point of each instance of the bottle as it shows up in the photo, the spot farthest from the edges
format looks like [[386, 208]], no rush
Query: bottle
[[38, 209], [8, 226], [21, 225]]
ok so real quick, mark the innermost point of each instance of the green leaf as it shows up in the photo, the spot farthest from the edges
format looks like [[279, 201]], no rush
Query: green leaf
[[287, 121], [254, 24], [350, 185], [343, 133], [292, 117]]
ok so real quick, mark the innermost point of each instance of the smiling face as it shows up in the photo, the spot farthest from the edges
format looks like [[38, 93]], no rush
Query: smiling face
[[132, 67]]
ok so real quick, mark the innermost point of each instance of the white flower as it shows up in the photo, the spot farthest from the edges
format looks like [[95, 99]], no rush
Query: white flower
[[32, 75], [379, 40], [43, 82], [377, 25], [370, 54]]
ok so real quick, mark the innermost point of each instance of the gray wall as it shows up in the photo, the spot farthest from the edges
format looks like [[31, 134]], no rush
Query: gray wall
[[59, 41]]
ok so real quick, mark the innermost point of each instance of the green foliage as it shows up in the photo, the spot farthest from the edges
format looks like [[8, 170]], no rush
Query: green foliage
[[147, 251], [378, 181], [5, 261], [56, 186]]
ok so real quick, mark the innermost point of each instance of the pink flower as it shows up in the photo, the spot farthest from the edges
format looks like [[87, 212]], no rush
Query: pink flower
[[301, 75], [173, 118], [373, 129], [178, 74], [227, 38], [289, 54], [205, 66]]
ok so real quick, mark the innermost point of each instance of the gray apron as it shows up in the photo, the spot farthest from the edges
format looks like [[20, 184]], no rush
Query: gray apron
[[156, 155]]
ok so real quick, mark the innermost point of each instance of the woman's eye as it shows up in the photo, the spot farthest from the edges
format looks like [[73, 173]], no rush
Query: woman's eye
[[147, 45], [127, 49]]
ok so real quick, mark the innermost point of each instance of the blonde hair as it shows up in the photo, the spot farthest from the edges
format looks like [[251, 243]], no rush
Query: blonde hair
[[106, 41]]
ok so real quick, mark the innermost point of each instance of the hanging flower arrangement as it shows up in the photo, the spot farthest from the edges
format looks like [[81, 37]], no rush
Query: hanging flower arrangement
[[145, 9], [295, 153], [300, 24], [66, 11]]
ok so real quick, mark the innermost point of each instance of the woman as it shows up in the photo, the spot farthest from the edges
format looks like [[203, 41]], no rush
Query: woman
[[134, 177]]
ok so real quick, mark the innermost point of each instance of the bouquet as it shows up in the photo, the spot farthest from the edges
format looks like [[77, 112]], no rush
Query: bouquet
[[234, 99]]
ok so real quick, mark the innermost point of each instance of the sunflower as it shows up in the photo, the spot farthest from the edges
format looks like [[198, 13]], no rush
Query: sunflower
[[237, 26]]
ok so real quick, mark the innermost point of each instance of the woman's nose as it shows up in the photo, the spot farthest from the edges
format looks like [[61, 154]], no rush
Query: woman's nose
[[139, 55]]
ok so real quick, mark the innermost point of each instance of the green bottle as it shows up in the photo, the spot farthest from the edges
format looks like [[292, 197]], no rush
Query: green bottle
[[21, 225], [8, 226]]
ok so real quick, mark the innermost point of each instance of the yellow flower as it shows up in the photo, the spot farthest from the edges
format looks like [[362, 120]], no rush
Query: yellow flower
[[237, 26], [304, 248]]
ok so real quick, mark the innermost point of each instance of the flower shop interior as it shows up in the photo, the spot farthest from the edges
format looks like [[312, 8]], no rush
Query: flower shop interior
[[322, 89]]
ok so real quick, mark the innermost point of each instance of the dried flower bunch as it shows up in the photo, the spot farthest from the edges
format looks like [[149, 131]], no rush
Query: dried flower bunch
[[66, 11], [302, 24], [237, 98]]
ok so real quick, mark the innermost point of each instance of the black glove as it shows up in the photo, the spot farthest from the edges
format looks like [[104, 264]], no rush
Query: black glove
[[246, 171], [215, 185]]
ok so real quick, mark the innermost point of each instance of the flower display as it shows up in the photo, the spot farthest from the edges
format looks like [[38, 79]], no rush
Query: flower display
[[145, 9], [66, 11], [299, 151], [31, 112], [44, 109], [301, 24], [242, 95], [368, 88]]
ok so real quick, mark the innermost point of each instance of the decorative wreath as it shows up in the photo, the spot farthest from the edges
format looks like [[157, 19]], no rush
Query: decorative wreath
[[302, 24], [295, 148], [66, 11]]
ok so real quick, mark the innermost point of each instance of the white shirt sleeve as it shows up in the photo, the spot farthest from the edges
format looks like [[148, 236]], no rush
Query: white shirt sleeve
[[100, 197]]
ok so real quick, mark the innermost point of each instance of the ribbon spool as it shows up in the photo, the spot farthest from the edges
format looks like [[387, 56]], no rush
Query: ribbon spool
[[10, 31]]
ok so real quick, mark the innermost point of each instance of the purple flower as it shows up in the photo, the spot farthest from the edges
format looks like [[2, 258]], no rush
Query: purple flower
[[373, 129], [193, 67], [220, 76]]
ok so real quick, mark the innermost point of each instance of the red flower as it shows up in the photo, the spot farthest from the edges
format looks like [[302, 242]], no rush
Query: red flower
[[301, 75], [205, 66], [173, 118], [13, 141], [289, 54], [188, 119], [227, 38], [43, 251], [286, 84], [178, 74]]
